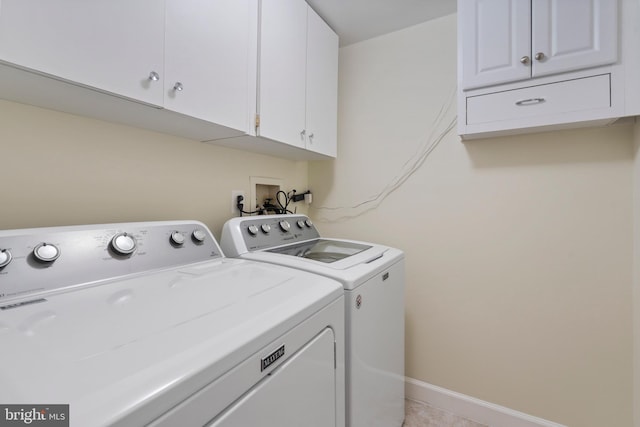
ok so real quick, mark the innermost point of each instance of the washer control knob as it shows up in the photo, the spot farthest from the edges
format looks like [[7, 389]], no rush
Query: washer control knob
[[284, 225], [266, 228], [123, 244], [252, 229], [5, 257], [308, 223], [177, 238], [46, 252], [300, 223], [199, 235]]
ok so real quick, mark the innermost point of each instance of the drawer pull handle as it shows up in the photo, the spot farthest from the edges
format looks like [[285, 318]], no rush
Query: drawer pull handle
[[530, 101]]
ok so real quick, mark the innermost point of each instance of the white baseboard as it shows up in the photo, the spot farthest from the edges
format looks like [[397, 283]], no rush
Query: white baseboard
[[470, 407]]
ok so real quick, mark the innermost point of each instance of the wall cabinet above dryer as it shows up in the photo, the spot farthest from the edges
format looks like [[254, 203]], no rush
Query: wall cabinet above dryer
[[116, 46], [209, 66], [509, 40], [183, 67], [190, 57]]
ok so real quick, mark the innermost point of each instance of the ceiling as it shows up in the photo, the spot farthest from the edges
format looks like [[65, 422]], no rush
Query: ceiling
[[358, 20]]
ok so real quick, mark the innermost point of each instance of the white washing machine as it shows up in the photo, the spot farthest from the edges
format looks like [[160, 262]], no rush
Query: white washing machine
[[148, 324], [373, 278]]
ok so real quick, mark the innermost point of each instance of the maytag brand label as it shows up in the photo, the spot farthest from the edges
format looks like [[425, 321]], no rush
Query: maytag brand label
[[34, 415], [20, 304], [265, 362]]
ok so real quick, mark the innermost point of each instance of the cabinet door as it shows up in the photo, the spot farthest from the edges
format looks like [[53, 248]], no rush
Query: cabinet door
[[573, 34], [322, 86], [282, 71], [207, 48], [493, 37], [109, 45]]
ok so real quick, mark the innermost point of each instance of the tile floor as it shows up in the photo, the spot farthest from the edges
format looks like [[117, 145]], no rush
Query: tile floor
[[418, 414]]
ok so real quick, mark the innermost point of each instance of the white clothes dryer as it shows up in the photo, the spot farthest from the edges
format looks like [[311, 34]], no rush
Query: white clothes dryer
[[373, 278], [148, 324]]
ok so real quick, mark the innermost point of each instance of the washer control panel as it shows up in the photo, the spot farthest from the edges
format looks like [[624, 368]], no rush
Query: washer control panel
[[268, 231], [39, 260]]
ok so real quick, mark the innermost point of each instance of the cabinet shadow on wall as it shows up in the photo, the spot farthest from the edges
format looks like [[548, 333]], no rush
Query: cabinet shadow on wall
[[586, 145], [321, 181]]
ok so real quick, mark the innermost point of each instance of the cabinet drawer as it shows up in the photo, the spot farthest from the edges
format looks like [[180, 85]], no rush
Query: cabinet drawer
[[555, 98]]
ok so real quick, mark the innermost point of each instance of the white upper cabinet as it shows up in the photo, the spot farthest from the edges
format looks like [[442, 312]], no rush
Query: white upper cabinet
[[573, 34], [187, 56], [322, 86], [534, 65], [282, 76], [495, 35], [116, 45], [200, 69], [510, 40], [298, 77], [207, 60]]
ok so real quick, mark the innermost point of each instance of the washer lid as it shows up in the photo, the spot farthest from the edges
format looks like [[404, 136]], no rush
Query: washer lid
[[323, 250], [352, 271], [116, 348]]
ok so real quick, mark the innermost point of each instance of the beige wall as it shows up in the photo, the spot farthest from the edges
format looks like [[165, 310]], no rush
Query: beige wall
[[519, 249], [636, 276], [61, 169]]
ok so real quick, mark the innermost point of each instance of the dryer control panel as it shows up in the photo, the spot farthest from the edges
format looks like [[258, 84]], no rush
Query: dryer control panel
[[40, 260]]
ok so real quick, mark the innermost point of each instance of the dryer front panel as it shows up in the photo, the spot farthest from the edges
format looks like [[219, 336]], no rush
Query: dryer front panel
[[300, 392]]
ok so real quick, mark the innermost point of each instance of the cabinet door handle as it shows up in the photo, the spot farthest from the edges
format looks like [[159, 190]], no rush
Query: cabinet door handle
[[539, 56], [178, 87], [311, 138], [153, 76], [525, 60], [530, 101], [303, 132]]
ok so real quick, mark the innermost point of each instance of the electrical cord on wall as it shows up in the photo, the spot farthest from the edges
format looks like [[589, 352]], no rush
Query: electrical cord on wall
[[240, 207], [342, 213], [282, 206]]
